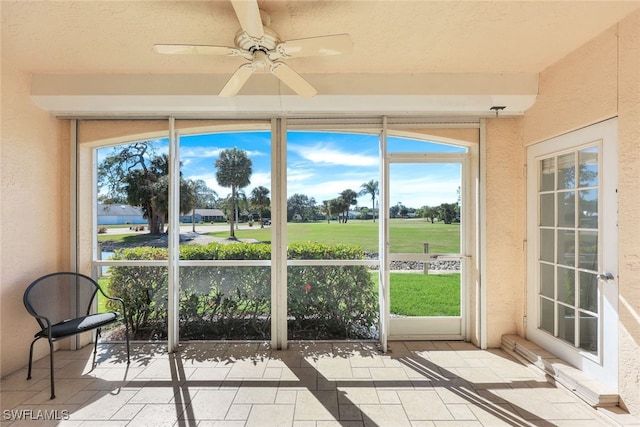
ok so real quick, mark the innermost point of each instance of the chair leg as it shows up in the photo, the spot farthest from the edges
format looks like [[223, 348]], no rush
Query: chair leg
[[95, 347], [53, 390], [126, 327], [31, 357]]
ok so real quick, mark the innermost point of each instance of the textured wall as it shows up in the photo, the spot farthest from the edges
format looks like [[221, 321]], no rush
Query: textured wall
[[505, 225], [34, 222], [577, 91], [628, 212], [598, 81]]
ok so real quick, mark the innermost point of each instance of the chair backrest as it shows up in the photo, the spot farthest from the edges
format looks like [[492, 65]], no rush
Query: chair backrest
[[60, 296]]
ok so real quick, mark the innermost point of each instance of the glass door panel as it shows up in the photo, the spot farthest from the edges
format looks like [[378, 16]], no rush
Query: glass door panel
[[569, 284], [425, 271]]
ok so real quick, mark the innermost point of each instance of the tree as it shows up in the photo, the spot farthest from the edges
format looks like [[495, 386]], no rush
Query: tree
[[302, 205], [429, 213], [242, 203], [327, 209], [260, 200], [234, 170], [447, 212], [201, 194], [394, 211], [136, 174], [371, 188], [350, 198]]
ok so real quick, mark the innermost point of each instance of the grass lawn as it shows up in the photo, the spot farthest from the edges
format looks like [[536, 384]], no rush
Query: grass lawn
[[407, 235], [126, 238], [104, 283], [425, 294]]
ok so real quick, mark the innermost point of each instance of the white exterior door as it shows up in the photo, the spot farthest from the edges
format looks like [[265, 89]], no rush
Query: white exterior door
[[572, 286], [428, 303]]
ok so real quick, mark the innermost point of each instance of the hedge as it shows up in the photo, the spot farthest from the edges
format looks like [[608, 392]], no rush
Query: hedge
[[324, 302]]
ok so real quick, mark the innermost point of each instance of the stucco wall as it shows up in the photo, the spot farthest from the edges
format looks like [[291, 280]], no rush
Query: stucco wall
[[595, 82], [34, 222], [505, 228], [577, 91], [628, 211]]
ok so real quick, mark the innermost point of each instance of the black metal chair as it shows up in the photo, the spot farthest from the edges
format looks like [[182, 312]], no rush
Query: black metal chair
[[62, 304]]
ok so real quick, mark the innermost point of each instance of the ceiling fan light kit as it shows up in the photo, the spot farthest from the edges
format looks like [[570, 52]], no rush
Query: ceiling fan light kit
[[262, 46]]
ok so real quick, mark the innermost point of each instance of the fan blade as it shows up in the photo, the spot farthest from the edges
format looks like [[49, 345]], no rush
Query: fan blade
[[293, 80], [189, 49], [237, 80], [316, 46], [249, 16]]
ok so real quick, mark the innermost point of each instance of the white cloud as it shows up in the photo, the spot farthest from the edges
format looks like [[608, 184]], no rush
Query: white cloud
[[201, 152], [325, 154]]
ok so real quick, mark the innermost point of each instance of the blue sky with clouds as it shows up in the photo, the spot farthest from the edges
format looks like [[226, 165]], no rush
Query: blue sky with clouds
[[322, 164]]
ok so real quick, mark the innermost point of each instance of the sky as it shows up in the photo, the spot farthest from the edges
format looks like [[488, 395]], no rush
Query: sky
[[323, 164]]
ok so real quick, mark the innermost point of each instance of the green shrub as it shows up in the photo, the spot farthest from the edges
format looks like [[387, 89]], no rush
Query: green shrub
[[144, 291], [218, 302], [327, 302]]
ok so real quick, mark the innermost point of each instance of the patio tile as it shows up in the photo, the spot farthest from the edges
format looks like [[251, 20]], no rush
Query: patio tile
[[312, 384], [388, 374], [103, 405], [238, 412], [334, 368], [161, 393], [271, 415], [350, 413], [209, 373], [316, 405], [388, 397], [384, 415], [209, 405], [128, 411], [416, 406], [157, 415], [247, 369], [255, 395], [358, 395]]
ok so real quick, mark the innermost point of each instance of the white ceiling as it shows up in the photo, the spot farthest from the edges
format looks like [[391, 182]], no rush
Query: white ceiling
[[431, 41]]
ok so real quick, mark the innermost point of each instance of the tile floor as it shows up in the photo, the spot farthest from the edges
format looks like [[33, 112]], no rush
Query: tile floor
[[310, 384]]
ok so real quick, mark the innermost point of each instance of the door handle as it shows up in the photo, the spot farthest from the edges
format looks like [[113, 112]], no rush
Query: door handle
[[605, 276]]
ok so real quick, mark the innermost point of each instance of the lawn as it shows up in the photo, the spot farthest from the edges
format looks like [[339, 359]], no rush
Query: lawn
[[406, 235], [425, 294]]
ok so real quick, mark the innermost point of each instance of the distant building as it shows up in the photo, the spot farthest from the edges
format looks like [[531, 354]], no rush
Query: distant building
[[204, 215], [110, 214]]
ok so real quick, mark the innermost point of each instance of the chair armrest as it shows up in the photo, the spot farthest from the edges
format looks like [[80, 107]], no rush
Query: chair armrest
[[120, 300]]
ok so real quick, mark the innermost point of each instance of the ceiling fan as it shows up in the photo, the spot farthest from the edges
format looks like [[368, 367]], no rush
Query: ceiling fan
[[262, 46]]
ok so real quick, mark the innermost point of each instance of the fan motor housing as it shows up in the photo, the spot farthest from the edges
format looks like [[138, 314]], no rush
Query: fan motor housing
[[266, 43]]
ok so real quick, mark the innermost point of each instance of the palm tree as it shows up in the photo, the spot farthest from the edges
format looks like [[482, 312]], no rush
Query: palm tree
[[371, 188], [350, 198], [234, 170], [326, 208], [198, 188], [260, 200]]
